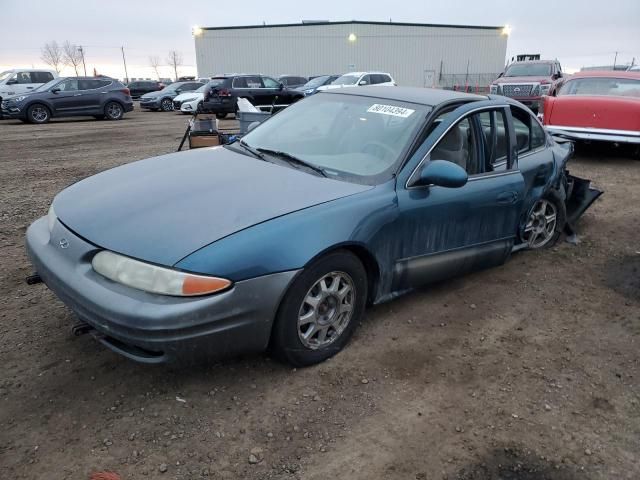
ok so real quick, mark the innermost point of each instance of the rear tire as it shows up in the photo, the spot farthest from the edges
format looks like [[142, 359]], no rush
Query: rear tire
[[113, 111], [38, 113], [320, 310], [166, 105], [546, 221]]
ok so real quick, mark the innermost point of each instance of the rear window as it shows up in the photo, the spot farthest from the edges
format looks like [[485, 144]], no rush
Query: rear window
[[621, 87]]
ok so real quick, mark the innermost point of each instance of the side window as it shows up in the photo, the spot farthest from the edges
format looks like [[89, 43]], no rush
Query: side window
[[270, 82], [283, 80], [253, 82], [92, 84], [41, 77], [24, 77], [458, 146], [529, 133], [70, 85], [495, 139], [240, 82]]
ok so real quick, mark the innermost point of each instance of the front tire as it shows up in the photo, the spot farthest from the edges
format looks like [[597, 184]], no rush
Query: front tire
[[38, 113], [166, 105], [320, 310], [545, 222]]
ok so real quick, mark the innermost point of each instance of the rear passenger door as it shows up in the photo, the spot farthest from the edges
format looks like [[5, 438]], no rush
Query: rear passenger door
[[93, 94]]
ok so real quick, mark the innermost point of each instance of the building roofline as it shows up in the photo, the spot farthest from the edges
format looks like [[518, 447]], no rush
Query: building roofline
[[356, 22]]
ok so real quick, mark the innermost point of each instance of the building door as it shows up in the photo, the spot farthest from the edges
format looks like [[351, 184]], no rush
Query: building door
[[429, 78]]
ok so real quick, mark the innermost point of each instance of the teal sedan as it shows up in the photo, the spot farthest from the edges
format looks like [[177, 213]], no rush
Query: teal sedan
[[280, 240]]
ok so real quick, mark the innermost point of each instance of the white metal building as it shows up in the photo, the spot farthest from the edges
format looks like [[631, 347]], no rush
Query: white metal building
[[415, 54]]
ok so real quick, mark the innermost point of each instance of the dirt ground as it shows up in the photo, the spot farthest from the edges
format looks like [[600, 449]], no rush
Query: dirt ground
[[527, 371]]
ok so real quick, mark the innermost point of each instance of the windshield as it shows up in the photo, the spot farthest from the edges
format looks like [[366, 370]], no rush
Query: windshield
[[5, 75], [215, 82], [352, 138], [316, 82], [48, 85], [346, 80], [528, 70], [621, 87], [173, 86]]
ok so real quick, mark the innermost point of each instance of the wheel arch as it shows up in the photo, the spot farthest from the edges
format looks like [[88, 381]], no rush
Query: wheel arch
[[39, 102]]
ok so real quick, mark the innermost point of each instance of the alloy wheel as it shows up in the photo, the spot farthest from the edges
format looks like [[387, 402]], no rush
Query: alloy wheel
[[326, 310], [114, 111], [541, 226], [39, 114], [167, 105]]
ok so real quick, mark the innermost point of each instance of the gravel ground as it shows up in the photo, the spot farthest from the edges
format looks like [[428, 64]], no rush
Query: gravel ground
[[526, 371]]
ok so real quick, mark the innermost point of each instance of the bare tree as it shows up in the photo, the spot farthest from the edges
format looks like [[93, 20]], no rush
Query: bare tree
[[154, 61], [72, 55], [52, 55], [174, 60]]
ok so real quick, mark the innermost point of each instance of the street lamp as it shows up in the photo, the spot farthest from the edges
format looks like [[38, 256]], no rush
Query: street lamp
[[506, 30], [352, 37], [196, 31]]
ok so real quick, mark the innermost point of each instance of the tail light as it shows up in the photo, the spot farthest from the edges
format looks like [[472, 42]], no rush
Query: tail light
[[126, 91], [223, 92]]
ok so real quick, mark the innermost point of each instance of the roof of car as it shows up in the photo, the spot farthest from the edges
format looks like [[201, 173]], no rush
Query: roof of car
[[606, 73], [358, 74], [424, 96], [533, 61]]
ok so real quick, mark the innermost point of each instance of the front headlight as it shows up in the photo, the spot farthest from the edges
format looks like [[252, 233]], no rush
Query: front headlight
[[189, 100], [51, 218], [20, 98], [308, 91], [493, 89], [154, 279], [544, 88]]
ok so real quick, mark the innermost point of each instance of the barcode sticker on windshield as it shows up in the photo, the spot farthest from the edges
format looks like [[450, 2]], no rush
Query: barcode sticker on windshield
[[390, 110]]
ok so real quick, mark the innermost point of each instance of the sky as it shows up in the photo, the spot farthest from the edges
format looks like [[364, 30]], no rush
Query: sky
[[578, 33]]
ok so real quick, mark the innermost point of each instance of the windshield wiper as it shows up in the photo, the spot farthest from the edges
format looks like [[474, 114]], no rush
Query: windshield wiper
[[251, 150], [293, 160]]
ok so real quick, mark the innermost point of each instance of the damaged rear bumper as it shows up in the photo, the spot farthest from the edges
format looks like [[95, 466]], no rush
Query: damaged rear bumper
[[580, 195]]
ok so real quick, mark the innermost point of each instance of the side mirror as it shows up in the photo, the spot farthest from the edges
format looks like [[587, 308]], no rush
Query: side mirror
[[252, 125], [55, 90], [443, 174], [281, 87], [13, 81], [178, 91], [362, 82]]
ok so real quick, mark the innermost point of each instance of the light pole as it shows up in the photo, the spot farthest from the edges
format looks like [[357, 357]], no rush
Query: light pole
[[81, 50]]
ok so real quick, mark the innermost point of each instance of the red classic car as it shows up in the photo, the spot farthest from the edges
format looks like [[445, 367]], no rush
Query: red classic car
[[603, 106]]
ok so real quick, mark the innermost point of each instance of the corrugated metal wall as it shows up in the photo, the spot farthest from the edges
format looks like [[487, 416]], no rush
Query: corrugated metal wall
[[407, 52]]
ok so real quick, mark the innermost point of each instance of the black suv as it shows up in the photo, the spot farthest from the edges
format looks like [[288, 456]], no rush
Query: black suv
[[222, 93], [140, 87], [100, 97]]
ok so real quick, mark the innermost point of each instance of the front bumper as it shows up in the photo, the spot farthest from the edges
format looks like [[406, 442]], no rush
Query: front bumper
[[153, 103], [11, 110], [153, 328], [595, 134]]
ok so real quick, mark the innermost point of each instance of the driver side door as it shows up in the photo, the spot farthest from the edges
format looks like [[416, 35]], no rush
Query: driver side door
[[450, 231], [67, 99]]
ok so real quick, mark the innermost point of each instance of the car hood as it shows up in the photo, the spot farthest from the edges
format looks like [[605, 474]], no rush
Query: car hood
[[184, 96], [157, 93], [502, 80], [162, 209]]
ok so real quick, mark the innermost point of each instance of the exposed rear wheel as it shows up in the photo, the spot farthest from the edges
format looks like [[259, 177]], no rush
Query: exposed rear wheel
[[321, 310], [545, 222], [38, 113]]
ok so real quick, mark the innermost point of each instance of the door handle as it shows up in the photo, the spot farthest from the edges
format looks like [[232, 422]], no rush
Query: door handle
[[78, 95], [507, 198]]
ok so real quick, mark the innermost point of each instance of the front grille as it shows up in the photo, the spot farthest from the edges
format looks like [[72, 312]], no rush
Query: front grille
[[509, 90]]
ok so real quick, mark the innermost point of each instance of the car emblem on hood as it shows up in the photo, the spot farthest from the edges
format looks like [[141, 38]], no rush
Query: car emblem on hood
[[64, 243], [517, 89]]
